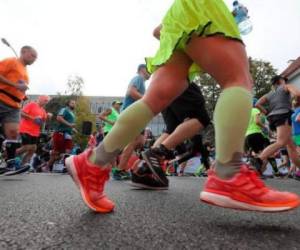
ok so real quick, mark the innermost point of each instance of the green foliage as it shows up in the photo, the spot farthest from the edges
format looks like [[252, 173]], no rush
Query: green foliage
[[210, 90], [262, 73], [83, 113], [74, 86]]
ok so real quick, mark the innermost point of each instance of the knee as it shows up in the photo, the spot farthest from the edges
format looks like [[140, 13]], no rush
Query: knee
[[243, 82], [248, 81], [156, 103], [241, 78]]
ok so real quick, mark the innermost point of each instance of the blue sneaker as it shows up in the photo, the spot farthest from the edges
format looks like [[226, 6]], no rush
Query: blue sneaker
[[13, 168]]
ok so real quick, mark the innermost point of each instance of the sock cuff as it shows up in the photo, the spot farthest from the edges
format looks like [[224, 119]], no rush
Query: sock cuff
[[237, 89], [129, 125]]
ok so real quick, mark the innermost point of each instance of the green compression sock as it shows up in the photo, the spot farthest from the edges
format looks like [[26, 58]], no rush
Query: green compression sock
[[129, 124], [231, 118]]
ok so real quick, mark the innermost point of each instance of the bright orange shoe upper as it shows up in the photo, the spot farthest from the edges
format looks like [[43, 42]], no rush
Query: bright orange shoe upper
[[92, 179], [246, 186]]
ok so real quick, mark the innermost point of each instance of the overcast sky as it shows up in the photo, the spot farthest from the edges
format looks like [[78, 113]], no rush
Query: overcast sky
[[104, 41]]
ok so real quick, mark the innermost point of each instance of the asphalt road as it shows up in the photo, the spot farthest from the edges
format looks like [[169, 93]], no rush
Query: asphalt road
[[44, 211]]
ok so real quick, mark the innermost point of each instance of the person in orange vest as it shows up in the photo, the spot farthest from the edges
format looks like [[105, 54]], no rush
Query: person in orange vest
[[13, 85]]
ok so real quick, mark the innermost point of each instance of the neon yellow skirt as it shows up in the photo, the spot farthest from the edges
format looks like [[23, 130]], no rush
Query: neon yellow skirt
[[188, 17]]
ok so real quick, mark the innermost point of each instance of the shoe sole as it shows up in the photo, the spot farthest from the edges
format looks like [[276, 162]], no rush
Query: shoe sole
[[16, 172], [143, 186], [69, 163], [226, 202], [145, 158]]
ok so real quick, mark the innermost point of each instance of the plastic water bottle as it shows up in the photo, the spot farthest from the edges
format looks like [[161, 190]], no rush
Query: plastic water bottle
[[245, 27], [242, 19]]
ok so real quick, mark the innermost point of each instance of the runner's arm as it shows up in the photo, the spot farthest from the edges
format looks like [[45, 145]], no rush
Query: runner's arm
[[259, 104], [104, 114], [258, 121], [26, 116], [133, 92], [61, 119]]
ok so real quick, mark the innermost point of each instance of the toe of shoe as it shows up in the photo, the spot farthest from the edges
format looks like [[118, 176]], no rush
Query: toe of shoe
[[104, 205]]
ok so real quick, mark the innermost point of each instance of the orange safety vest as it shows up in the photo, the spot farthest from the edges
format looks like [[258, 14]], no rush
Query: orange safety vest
[[13, 70]]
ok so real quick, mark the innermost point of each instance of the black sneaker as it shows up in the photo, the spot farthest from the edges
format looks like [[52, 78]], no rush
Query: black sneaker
[[3, 170], [141, 178], [163, 152], [11, 169], [153, 161]]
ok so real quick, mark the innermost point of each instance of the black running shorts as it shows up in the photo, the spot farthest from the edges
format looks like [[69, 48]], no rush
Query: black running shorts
[[190, 104]]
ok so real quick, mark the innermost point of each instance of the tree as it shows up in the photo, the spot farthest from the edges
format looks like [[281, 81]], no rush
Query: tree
[[73, 91], [211, 92], [262, 72], [74, 86], [83, 113]]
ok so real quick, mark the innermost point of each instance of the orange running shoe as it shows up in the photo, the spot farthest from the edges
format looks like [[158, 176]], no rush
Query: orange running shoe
[[91, 180], [246, 191]]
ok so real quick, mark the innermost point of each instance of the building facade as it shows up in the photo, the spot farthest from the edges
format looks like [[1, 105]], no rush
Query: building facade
[[292, 72]]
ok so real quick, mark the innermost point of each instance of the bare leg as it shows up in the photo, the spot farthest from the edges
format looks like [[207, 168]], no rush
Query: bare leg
[[30, 150], [283, 135], [128, 151], [11, 130], [167, 83], [160, 139], [184, 131], [293, 154], [224, 59], [21, 150], [227, 62], [54, 156]]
